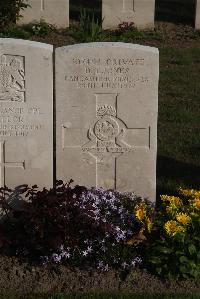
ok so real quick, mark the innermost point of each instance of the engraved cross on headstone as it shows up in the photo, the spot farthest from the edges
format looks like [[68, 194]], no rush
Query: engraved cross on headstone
[[128, 5], [42, 5], [108, 138], [4, 164]]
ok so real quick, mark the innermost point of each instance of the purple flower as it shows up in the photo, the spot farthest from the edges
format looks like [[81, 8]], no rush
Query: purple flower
[[56, 258], [106, 268], [102, 267], [136, 261], [85, 253], [65, 254], [124, 265], [89, 249], [44, 260]]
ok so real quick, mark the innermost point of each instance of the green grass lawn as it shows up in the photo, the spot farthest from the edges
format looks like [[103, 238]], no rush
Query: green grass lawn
[[179, 119]]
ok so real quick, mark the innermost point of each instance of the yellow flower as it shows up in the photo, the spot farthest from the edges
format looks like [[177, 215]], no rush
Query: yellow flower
[[196, 203], [165, 197], [189, 192], [171, 209], [149, 224], [172, 228], [140, 212], [183, 218], [173, 200], [180, 229]]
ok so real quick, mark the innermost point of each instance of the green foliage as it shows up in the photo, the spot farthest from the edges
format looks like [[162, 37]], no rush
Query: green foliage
[[10, 11], [88, 29], [175, 242], [40, 28], [15, 32]]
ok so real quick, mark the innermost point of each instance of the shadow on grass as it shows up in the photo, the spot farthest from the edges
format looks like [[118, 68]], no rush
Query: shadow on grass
[[172, 174], [176, 11], [91, 6]]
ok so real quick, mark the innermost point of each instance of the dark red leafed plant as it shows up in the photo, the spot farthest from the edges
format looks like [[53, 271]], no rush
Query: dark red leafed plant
[[125, 26], [74, 225]]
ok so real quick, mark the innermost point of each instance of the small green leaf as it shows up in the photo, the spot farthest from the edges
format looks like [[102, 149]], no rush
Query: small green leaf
[[198, 256], [155, 260], [192, 249], [164, 250], [197, 238], [183, 259], [159, 270], [179, 252], [183, 269], [185, 276]]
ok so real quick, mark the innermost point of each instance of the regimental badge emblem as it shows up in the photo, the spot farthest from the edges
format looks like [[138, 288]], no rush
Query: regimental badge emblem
[[12, 78], [106, 135]]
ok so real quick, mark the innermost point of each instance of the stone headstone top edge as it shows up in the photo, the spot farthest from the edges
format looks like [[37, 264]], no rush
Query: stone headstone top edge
[[22, 42], [110, 44]]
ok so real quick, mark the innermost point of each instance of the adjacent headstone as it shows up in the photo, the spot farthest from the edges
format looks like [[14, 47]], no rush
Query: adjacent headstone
[[140, 12], [55, 12], [26, 113], [197, 19], [107, 104]]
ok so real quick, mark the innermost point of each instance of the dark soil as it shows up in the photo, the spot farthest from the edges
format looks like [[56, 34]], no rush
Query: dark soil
[[164, 35], [23, 278]]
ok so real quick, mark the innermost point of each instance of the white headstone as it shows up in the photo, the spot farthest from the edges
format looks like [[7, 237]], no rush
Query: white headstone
[[106, 105], [140, 12], [26, 108], [55, 12], [197, 18]]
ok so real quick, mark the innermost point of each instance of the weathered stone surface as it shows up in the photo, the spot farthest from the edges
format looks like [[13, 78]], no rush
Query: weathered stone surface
[[140, 12], [26, 109], [197, 18], [107, 103], [54, 12]]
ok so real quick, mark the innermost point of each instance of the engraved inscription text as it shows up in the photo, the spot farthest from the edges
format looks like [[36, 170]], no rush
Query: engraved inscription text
[[107, 73]]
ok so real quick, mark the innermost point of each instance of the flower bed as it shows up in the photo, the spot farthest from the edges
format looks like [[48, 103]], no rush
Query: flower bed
[[103, 230]]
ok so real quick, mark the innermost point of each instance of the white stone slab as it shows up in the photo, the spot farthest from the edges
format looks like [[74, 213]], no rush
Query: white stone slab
[[107, 103], [140, 12], [55, 12], [197, 18], [26, 109]]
